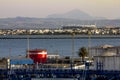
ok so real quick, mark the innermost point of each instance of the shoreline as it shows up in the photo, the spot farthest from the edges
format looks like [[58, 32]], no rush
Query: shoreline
[[59, 36]]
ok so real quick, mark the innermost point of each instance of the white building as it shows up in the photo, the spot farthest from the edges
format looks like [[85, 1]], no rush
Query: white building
[[107, 57], [107, 62], [104, 50], [53, 56]]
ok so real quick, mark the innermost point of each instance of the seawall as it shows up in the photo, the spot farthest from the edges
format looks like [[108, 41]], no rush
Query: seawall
[[58, 36]]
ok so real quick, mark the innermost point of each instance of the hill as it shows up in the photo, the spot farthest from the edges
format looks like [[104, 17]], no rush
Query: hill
[[75, 14], [37, 23]]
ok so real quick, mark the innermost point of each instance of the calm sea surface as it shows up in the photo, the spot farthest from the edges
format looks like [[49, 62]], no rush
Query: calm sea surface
[[63, 47]]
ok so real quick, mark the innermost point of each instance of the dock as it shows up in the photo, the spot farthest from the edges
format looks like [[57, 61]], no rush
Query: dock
[[77, 74]]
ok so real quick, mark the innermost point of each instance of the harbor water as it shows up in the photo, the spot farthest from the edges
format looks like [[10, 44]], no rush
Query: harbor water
[[63, 47]]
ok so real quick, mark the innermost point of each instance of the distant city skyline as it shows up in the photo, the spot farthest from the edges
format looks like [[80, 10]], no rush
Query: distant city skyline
[[42, 8]]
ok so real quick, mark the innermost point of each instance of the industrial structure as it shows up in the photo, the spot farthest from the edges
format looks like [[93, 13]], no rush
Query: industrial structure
[[105, 65], [106, 57]]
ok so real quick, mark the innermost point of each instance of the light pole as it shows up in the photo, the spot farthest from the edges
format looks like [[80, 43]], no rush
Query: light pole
[[28, 45], [72, 62], [89, 42], [9, 59]]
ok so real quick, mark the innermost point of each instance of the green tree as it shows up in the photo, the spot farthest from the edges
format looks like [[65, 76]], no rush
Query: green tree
[[82, 53]]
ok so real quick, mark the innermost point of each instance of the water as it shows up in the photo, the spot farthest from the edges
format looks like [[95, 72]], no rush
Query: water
[[15, 47]]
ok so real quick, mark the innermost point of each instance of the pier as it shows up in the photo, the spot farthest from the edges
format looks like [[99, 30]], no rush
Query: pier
[[77, 74]]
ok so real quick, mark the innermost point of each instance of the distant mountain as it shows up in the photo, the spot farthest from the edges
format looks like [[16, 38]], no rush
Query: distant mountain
[[74, 14], [38, 23]]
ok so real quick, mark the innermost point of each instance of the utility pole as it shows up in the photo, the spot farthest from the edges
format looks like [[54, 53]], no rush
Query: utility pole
[[28, 45], [89, 41], [72, 63], [9, 59]]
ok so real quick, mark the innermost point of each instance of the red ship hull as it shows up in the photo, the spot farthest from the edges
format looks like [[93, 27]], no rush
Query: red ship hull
[[39, 56]]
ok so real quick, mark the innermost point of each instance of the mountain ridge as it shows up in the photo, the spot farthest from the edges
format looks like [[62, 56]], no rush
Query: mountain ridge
[[75, 14]]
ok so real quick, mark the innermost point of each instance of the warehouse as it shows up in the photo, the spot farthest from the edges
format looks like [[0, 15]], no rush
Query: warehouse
[[19, 63]]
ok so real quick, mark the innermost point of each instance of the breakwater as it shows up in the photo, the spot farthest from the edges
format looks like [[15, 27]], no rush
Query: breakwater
[[58, 36]]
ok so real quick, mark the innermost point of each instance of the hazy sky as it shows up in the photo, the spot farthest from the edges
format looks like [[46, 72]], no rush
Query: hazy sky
[[42, 8]]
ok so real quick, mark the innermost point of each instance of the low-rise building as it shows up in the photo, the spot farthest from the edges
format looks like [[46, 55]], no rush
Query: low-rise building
[[107, 57]]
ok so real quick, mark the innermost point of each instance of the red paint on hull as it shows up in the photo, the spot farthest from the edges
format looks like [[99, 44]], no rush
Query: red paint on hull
[[39, 56]]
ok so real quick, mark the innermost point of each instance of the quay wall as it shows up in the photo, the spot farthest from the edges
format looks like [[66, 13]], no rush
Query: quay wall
[[58, 36]]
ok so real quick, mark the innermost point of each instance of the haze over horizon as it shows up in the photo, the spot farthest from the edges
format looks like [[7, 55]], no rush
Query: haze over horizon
[[42, 8]]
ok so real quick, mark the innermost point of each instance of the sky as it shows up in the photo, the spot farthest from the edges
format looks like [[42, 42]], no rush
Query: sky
[[41, 8]]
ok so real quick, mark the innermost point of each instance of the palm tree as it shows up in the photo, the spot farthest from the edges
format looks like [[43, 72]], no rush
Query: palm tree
[[82, 53]]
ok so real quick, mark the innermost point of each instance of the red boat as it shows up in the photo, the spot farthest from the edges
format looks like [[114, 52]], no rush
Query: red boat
[[38, 55]]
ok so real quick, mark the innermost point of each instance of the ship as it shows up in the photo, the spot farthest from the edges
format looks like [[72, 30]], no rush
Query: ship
[[38, 55]]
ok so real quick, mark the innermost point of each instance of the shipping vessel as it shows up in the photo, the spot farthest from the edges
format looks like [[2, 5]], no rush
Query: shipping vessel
[[38, 55]]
